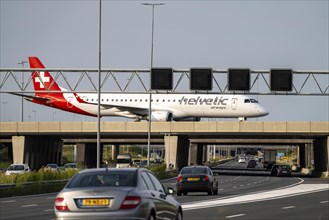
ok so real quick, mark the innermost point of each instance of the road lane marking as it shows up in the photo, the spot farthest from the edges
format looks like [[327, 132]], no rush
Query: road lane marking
[[8, 201], [288, 207], [322, 202], [25, 206], [234, 216], [48, 210], [259, 196]]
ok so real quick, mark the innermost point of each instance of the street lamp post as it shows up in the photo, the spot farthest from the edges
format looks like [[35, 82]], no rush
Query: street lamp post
[[22, 99], [150, 101], [98, 145]]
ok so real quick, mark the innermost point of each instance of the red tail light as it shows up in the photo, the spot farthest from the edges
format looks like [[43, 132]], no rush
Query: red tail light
[[179, 179], [206, 178], [130, 202], [61, 205]]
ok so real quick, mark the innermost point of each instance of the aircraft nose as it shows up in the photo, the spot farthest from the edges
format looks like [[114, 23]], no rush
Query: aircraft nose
[[262, 111]]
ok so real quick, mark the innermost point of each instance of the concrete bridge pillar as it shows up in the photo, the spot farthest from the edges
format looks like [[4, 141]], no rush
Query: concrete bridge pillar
[[176, 151], [36, 151], [18, 149], [170, 150], [193, 154], [321, 156], [81, 153], [204, 154], [200, 154], [115, 152], [87, 154]]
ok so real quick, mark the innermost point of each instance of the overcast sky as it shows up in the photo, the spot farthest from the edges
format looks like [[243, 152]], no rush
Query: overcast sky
[[217, 34]]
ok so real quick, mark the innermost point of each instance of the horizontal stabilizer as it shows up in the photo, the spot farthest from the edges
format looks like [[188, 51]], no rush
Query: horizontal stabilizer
[[30, 97]]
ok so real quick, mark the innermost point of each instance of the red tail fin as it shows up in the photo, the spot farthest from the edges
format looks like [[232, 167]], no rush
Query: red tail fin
[[42, 80]]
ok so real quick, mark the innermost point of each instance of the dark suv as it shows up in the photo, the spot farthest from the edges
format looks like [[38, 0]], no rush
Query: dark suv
[[281, 170]]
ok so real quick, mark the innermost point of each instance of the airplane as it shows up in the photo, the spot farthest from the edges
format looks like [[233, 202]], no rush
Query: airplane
[[164, 107]]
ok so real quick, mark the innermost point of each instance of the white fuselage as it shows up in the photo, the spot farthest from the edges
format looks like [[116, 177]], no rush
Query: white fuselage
[[179, 105]]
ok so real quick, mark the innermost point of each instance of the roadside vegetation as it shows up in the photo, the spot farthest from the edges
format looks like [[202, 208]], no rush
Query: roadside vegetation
[[46, 181]]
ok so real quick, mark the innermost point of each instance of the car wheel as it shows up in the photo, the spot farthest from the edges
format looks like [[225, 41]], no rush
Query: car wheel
[[179, 216], [185, 193], [216, 190], [179, 193]]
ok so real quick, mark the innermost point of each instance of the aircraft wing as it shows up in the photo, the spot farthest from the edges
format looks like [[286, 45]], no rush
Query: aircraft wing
[[135, 110], [132, 110]]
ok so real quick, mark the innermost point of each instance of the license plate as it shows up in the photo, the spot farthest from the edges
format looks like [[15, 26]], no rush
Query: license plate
[[95, 202], [193, 179]]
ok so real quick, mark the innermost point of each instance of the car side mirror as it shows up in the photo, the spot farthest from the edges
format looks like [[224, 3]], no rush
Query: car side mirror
[[170, 191]]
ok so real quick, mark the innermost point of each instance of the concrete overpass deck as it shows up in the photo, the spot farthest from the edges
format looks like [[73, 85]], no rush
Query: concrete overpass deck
[[32, 139], [125, 129]]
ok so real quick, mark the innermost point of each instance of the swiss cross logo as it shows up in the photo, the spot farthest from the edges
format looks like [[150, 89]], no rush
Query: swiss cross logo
[[44, 79]]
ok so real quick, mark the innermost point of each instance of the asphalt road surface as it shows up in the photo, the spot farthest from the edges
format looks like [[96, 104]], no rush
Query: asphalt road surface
[[241, 196]]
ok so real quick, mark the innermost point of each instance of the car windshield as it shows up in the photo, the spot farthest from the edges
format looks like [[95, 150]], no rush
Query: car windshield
[[16, 167], [285, 167], [99, 179], [123, 160], [194, 170], [52, 165], [70, 166]]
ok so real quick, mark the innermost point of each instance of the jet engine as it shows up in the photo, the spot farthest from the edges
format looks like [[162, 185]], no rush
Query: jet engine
[[162, 116]]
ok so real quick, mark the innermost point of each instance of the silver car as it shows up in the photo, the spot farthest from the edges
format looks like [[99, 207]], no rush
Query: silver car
[[112, 193]]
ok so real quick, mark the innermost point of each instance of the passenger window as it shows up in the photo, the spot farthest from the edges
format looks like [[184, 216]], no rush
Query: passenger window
[[246, 101], [147, 181], [156, 182]]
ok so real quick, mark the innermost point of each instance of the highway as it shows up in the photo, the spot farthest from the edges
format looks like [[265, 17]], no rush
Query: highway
[[240, 197]]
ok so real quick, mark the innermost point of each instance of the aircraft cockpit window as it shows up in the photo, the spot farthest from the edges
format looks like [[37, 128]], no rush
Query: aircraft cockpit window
[[247, 101], [253, 101]]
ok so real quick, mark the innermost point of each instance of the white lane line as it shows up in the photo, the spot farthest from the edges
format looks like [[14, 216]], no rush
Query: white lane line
[[259, 196], [322, 202], [48, 210], [7, 201], [234, 216], [288, 207], [24, 206]]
